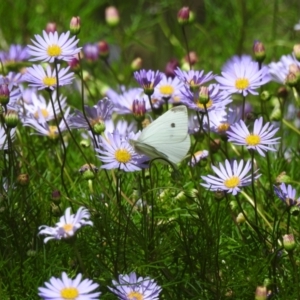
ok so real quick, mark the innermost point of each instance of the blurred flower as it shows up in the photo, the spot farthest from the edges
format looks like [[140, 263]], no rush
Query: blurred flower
[[75, 25], [51, 27], [287, 194], [15, 54], [91, 52], [67, 226], [183, 15], [42, 127], [123, 102], [170, 67], [112, 17], [280, 70], [148, 80], [39, 106], [103, 49], [230, 178], [260, 139], [197, 157], [194, 79], [133, 287], [297, 26], [117, 153], [51, 47], [67, 288], [96, 116], [4, 137], [43, 79], [242, 75]]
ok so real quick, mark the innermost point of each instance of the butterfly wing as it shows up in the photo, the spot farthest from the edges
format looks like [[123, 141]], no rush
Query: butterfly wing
[[167, 136]]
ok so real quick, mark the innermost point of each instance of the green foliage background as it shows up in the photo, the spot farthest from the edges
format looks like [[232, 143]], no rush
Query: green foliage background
[[192, 248]]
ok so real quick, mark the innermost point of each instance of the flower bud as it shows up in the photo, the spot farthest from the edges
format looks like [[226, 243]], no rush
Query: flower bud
[[4, 94], [259, 51], [11, 118], [289, 242], [75, 25], [261, 293], [294, 211], [203, 95], [171, 67], [56, 196], [276, 114], [139, 110], [215, 145], [240, 218], [112, 17], [23, 179], [283, 178], [99, 127], [265, 96], [85, 143], [74, 63], [136, 64], [90, 52], [51, 27], [103, 49], [191, 58], [219, 195], [282, 92], [88, 171], [296, 51], [183, 15]]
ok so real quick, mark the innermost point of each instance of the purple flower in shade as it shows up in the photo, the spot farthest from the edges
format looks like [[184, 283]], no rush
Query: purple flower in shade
[[123, 103], [193, 79], [230, 177], [67, 226], [46, 79], [90, 52], [117, 153], [287, 194], [148, 80], [259, 139], [280, 70], [198, 156], [4, 137], [15, 54], [133, 287], [40, 124], [217, 99], [51, 47], [243, 76], [67, 288], [40, 106], [96, 115]]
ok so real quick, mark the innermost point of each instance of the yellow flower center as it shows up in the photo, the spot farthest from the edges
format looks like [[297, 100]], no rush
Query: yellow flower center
[[252, 139], [68, 227], [44, 112], [208, 104], [223, 127], [122, 156], [54, 50], [166, 90], [232, 182], [70, 293], [49, 81], [135, 296], [242, 83], [53, 134]]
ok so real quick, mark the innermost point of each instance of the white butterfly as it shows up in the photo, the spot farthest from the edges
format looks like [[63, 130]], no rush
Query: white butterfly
[[166, 137]]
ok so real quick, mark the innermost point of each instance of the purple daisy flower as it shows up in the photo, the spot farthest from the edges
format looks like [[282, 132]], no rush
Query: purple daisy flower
[[260, 139], [148, 80], [194, 79], [287, 194], [243, 76], [230, 177], [133, 287], [117, 153]]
